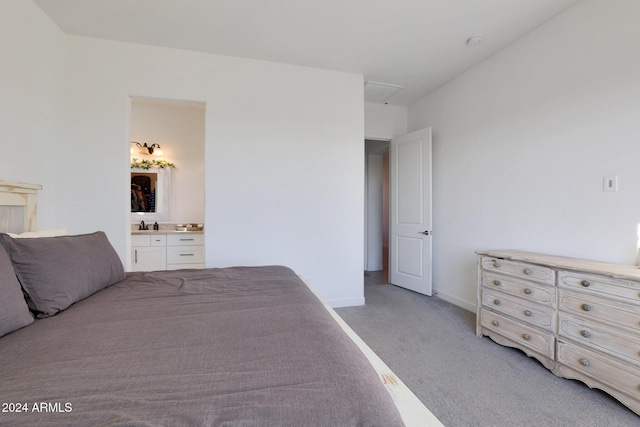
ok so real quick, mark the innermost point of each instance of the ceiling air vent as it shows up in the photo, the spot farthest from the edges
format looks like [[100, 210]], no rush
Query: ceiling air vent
[[379, 92]]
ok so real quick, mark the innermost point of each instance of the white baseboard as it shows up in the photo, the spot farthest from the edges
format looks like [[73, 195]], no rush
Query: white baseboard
[[470, 306], [347, 302]]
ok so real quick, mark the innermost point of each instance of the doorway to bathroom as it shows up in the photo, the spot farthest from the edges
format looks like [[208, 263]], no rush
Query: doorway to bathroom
[[167, 137], [167, 151]]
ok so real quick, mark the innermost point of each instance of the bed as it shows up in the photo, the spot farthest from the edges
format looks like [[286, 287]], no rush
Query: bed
[[92, 345]]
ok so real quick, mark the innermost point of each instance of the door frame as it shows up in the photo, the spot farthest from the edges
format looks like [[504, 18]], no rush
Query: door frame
[[381, 147]]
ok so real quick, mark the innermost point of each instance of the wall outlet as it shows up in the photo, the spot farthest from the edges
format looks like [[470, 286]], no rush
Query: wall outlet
[[610, 183]]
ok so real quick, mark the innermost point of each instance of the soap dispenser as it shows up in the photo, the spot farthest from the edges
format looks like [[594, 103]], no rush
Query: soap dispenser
[[156, 226]]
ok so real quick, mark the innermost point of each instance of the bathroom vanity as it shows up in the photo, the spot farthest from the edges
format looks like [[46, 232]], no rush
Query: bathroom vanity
[[166, 250]]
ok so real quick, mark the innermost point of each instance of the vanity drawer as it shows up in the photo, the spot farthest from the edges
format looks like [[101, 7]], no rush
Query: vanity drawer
[[605, 286], [520, 309], [140, 240], [597, 336], [603, 368], [187, 239], [599, 309], [536, 340], [158, 239], [148, 240], [527, 290], [520, 269], [185, 254]]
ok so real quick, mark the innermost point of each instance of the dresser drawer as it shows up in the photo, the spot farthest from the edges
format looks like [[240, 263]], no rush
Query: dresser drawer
[[185, 254], [520, 269], [531, 338], [527, 290], [603, 338], [520, 309], [186, 239], [599, 309], [603, 368], [601, 285]]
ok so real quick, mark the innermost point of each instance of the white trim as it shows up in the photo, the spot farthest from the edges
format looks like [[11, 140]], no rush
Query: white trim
[[470, 306], [345, 302]]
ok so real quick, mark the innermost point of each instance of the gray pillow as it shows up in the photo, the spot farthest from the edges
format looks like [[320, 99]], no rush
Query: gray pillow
[[14, 313], [56, 272]]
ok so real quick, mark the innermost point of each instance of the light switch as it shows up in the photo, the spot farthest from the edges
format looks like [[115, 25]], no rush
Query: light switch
[[610, 183]]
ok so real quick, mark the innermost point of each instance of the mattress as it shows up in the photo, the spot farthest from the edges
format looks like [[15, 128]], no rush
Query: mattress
[[239, 346]]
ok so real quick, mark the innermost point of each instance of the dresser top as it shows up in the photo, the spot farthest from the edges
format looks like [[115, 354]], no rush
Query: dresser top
[[622, 271]]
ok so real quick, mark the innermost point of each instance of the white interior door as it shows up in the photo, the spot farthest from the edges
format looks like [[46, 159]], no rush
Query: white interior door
[[410, 228]]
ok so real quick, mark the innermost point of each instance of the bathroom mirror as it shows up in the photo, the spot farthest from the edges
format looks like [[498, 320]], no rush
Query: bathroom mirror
[[150, 195]]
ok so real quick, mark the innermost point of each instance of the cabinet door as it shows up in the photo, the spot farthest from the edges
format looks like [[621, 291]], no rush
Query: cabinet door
[[148, 258]]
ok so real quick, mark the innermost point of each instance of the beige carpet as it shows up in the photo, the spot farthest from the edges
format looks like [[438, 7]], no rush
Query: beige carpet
[[465, 380]]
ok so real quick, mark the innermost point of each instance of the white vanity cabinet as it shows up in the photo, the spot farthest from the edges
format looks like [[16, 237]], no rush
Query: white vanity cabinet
[[185, 251], [148, 252], [580, 318], [167, 251]]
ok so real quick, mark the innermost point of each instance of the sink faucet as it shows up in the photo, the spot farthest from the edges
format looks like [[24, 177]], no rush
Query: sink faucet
[[142, 226]]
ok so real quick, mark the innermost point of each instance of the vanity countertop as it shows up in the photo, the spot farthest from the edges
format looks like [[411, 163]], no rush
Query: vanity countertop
[[133, 232]]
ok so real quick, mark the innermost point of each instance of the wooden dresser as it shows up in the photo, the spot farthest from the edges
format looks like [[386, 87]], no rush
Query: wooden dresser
[[579, 318]]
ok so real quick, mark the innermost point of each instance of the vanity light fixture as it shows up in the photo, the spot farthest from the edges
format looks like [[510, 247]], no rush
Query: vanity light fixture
[[147, 150]]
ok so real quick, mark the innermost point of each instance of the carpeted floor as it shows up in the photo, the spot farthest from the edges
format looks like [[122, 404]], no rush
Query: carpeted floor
[[466, 380]]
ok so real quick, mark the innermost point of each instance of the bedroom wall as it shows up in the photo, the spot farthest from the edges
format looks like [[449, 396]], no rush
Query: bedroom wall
[[283, 155], [179, 129], [284, 146], [31, 48], [522, 141]]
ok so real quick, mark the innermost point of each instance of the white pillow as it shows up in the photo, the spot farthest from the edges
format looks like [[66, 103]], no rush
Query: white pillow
[[44, 233]]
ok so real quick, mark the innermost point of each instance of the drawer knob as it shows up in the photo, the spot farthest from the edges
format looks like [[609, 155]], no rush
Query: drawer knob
[[526, 337], [527, 271], [586, 333], [496, 264], [527, 313], [496, 301], [527, 291], [495, 323], [586, 283], [586, 307], [584, 362], [497, 282]]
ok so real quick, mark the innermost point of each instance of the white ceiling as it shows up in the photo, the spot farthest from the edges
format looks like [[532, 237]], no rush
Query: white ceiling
[[418, 44]]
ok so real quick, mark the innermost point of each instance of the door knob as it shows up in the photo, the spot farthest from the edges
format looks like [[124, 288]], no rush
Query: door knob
[[426, 232]]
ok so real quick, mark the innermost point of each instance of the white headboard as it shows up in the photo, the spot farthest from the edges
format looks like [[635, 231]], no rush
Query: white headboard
[[18, 203]]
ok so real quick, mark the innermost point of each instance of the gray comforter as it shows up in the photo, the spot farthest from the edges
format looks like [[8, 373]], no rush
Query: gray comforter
[[239, 346]]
